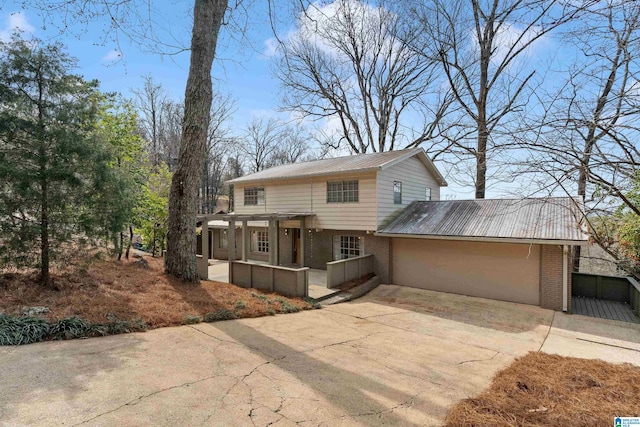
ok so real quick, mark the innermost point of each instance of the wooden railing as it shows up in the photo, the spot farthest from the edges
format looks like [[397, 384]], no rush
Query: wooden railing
[[348, 269], [271, 278], [613, 288]]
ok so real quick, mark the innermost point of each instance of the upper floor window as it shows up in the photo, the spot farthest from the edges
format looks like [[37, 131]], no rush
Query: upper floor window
[[347, 247], [254, 196], [342, 191], [397, 192], [427, 194]]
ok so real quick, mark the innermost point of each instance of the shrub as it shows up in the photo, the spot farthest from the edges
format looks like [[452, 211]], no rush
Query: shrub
[[271, 312], [261, 297], [22, 330], [26, 330], [221, 314], [192, 319], [240, 305], [286, 306], [69, 328]]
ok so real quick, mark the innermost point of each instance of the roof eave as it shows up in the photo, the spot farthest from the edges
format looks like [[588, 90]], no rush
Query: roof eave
[[314, 175], [486, 239], [422, 155]]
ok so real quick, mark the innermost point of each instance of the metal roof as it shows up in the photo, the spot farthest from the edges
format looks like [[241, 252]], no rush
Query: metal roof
[[346, 164], [549, 219]]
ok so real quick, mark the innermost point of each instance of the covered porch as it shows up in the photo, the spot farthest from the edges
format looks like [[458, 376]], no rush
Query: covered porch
[[254, 257]]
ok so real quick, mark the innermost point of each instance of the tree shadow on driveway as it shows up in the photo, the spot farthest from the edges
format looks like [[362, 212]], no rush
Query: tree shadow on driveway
[[371, 393]]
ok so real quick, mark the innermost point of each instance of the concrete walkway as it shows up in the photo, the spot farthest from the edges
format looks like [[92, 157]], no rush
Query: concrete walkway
[[398, 356]]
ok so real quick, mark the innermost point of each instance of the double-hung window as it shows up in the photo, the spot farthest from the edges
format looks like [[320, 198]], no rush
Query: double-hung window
[[260, 241], [397, 192], [427, 194], [254, 196], [342, 191], [347, 247]]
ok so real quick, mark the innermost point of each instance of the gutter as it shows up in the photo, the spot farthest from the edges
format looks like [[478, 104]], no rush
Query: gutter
[[299, 177], [485, 239]]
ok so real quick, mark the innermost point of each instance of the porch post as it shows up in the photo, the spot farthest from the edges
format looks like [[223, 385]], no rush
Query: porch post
[[231, 240], [274, 229], [203, 262], [303, 240], [245, 240]]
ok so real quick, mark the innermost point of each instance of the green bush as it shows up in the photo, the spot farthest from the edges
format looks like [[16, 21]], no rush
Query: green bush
[[16, 330], [221, 314], [22, 330], [240, 305], [192, 319], [286, 306], [69, 328], [261, 297]]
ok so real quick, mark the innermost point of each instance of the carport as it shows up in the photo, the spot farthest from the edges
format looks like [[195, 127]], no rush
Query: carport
[[509, 250]]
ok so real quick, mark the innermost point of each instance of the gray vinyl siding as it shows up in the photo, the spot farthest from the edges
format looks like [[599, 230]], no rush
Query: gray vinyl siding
[[414, 177]]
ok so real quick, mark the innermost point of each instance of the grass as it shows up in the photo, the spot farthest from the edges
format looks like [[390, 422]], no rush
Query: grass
[[540, 389], [109, 292]]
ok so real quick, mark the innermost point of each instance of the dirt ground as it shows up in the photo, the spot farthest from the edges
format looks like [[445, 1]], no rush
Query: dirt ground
[[541, 389], [121, 289]]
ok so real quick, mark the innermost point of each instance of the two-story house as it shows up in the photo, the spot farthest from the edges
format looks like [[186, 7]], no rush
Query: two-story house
[[388, 205]]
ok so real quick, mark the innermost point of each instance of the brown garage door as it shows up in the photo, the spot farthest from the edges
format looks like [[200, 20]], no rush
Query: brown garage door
[[502, 271]]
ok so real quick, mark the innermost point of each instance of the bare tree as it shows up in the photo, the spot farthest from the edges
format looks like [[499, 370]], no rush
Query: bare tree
[[354, 63], [261, 140], [588, 144], [478, 44], [292, 146], [150, 102]]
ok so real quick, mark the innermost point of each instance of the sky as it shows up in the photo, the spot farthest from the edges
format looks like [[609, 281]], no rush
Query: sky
[[241, 69]]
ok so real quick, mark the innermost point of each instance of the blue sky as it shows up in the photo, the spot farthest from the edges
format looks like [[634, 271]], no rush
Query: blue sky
[[241, 71]]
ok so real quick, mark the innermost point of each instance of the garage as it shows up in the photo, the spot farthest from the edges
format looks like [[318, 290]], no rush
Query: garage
[[501, 271]]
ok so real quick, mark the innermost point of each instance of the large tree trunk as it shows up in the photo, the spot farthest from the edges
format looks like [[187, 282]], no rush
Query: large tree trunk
[[126, 255], [181, 237]]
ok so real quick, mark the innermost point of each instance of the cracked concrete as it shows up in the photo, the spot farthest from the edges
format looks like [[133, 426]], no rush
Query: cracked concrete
[[397, 356]]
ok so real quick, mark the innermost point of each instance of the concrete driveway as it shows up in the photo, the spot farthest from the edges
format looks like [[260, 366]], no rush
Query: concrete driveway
[[398, 356]]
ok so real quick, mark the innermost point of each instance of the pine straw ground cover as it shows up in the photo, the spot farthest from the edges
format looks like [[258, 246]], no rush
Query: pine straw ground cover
[[541, 389], [125, 291]]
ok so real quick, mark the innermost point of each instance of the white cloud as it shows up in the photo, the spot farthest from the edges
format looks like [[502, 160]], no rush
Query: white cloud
[[270, 47], [16, 22], [111, 57]]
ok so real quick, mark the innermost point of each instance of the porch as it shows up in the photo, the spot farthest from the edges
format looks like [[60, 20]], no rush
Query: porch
[[317, 279]]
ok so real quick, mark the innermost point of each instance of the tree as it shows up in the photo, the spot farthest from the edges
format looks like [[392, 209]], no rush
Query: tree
[[181, 240], [152, 105], [590, 126], [48, 151], [354, 63], [261, 140], [151, 213], [478, 44], [119, 180]]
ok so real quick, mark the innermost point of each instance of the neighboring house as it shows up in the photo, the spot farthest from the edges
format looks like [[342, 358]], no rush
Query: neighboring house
[[388, 205]]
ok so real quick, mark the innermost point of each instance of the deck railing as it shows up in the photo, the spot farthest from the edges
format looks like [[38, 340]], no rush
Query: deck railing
[[271, 278], [348, 269]]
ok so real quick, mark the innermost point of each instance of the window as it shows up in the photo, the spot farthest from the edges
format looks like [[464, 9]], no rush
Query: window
[[427, 194], [397, 192], [254, 196], [347, 247], [260, 241], [222, 239], [342, 191]]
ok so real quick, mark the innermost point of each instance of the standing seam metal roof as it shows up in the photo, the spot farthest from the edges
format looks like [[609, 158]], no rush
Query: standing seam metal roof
[[555, 218]]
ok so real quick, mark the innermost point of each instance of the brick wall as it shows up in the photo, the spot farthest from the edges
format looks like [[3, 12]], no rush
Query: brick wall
[[551, 278], [319, 250]]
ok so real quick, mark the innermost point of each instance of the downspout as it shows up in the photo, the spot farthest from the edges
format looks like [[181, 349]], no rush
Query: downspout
[[565, 276]]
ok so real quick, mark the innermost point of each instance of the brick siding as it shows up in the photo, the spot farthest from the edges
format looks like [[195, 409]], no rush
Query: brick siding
[[551, 278]]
